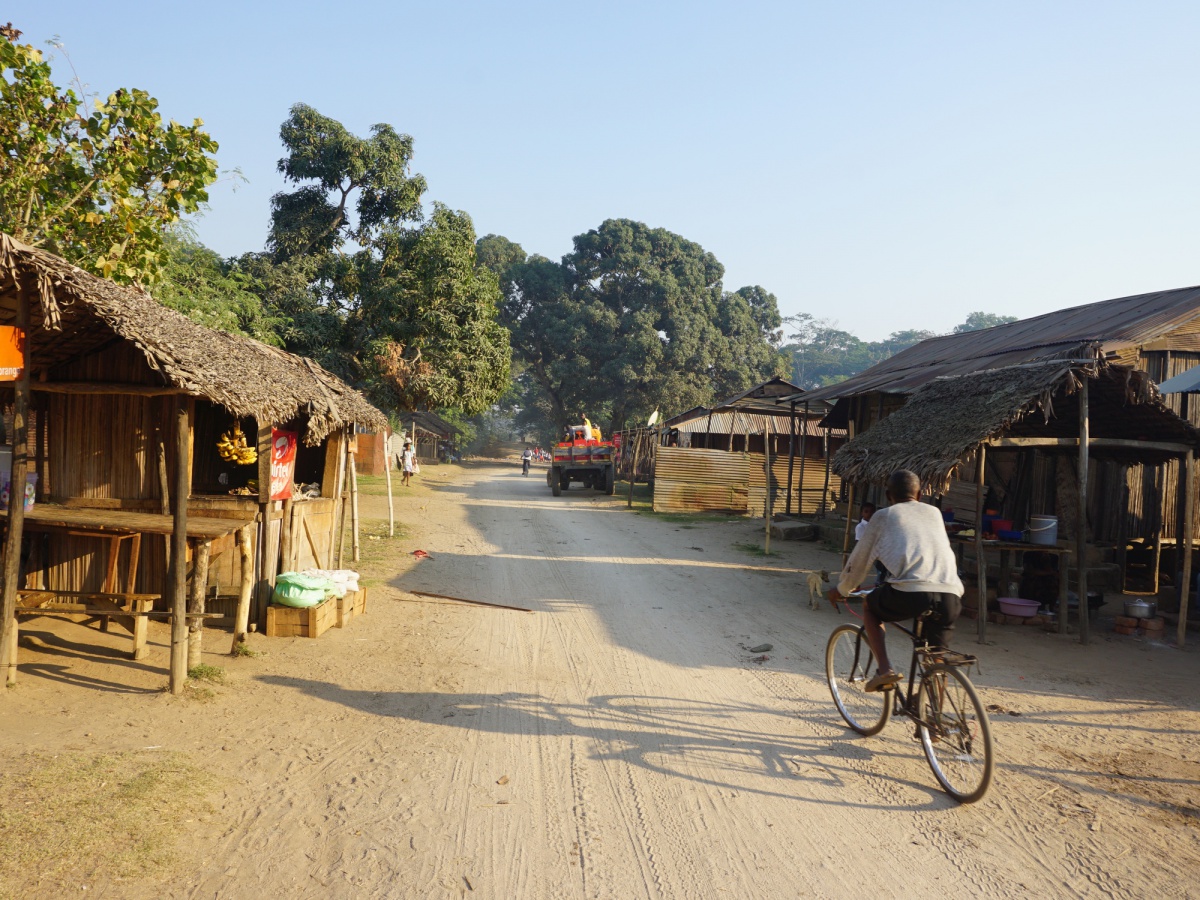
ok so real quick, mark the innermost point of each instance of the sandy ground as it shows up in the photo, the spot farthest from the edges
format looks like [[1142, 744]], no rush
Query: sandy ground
[[619, 741]]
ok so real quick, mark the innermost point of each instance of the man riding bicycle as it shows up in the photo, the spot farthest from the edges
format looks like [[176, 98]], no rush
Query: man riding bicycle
[[909, 538]]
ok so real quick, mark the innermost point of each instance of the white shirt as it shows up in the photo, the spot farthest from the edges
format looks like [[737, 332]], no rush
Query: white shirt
[[860, 529], [909, 538]]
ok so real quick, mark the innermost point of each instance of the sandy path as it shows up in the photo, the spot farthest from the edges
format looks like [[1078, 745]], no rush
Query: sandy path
[[642, 752]]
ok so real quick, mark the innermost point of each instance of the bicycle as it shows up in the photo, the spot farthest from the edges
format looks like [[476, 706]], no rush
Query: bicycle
[[951, 722]]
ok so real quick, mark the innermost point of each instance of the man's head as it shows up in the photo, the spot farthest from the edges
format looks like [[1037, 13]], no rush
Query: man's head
[[903, 485], [867, 510]]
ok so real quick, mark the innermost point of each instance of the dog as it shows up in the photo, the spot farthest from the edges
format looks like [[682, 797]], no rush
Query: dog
[[817, 582]]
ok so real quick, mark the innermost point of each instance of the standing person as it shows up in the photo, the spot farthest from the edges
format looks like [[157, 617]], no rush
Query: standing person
[[909, 538], [408, 459], [526, 459]]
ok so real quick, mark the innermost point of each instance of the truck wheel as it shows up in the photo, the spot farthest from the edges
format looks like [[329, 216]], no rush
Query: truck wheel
[[556, 487], [610, 481]]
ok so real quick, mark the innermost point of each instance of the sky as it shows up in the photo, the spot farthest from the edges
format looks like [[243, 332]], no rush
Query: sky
[[882, 165]]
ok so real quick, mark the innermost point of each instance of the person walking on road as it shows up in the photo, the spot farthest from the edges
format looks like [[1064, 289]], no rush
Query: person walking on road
[[408, 460], [909, 538], [526, 459]]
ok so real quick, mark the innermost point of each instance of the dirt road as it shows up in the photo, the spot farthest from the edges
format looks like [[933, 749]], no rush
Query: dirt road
[[618, 740]]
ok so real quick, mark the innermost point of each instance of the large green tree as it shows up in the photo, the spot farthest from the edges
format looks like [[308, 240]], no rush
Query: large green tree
[[633, 319], [393, 299], [100, 186], [215, 292]]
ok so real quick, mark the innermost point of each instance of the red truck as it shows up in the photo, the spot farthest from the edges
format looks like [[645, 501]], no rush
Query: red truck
[[582, 459]]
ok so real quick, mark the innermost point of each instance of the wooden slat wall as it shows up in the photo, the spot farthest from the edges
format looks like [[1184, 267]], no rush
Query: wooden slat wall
[[696, 480]]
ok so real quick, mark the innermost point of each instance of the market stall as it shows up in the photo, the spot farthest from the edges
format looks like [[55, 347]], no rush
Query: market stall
[[124, 416]]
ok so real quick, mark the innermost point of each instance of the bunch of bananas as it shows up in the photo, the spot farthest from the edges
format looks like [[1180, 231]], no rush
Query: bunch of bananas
[[233, 448]]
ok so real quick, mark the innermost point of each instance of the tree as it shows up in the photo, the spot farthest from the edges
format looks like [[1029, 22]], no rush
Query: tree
[[980, 320], [394, 300], [207, 289], [633, 319], [101, 187]]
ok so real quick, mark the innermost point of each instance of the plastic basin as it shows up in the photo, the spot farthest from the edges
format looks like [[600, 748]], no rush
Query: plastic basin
[[1015, 606]]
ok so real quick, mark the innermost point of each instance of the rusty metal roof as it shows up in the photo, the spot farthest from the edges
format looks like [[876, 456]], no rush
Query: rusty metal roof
[[1079, 332], [737, 421]]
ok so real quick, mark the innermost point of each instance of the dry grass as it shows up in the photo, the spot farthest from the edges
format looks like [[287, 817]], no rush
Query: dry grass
[[71, 819]]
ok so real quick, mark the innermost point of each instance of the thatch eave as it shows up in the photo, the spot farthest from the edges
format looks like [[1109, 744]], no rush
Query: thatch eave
[[76, 312]]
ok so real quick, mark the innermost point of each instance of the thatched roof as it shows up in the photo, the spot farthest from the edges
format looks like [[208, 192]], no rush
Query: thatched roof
[[75, 313], [946, 420]]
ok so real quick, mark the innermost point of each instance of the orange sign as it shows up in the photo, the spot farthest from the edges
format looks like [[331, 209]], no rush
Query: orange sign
[[283, 463], [12, 352]]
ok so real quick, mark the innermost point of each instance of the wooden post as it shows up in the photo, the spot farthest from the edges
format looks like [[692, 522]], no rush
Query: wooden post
[[825, 490], [200, 553], [637, 445], [767, 472], [980, 559], [355, 549], [177, 569], [16, 499], [791, 460], [803, 449], [1081, 526], [387, 468], [164, 488], [286, 535], [246, 554], [850, 429], [345, 494], [268, 550], [1189, 538]]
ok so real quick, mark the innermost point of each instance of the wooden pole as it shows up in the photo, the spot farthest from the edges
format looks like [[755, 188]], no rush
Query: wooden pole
[[1189, 538], [850, 429], [825, 490], [287, 535], [637, 445], [1081, 526], [177, 569], [200, 553], [268, 549], [791, 460], [16, 499], [341, 554], [355, 549], [980, 559], [387, 469], [164, 489], [803, 449], [246, 554], [767, 471]]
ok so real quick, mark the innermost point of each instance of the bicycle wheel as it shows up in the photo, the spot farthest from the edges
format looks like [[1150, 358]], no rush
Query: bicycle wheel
[[848, 663], [955, 732]]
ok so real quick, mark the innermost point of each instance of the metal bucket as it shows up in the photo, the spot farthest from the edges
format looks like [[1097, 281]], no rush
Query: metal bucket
[[1043, 530]]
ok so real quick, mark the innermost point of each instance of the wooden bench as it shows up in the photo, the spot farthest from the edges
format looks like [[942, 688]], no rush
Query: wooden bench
[[131, 611]]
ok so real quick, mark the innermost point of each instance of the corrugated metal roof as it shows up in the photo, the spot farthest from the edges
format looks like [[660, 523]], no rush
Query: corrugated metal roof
[[1109, 326], [742, 422]]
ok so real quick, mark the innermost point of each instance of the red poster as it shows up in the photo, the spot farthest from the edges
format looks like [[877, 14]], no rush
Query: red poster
[[12, 347], [283, 463]]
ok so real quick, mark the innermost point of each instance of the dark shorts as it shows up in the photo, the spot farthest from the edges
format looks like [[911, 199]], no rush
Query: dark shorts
[[891, 605]]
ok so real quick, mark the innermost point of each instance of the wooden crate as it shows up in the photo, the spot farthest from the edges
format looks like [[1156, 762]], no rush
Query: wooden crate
[[314, 621], [353, 604]]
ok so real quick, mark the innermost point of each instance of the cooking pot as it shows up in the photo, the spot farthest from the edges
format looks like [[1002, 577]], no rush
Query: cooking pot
[[1141, 609]]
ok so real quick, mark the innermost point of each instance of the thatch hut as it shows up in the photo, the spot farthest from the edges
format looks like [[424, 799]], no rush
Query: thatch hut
[[118, 408], [1033, 438]]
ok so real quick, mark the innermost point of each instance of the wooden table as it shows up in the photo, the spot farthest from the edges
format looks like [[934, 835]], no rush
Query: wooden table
[[1005, 549], [118, 526]]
